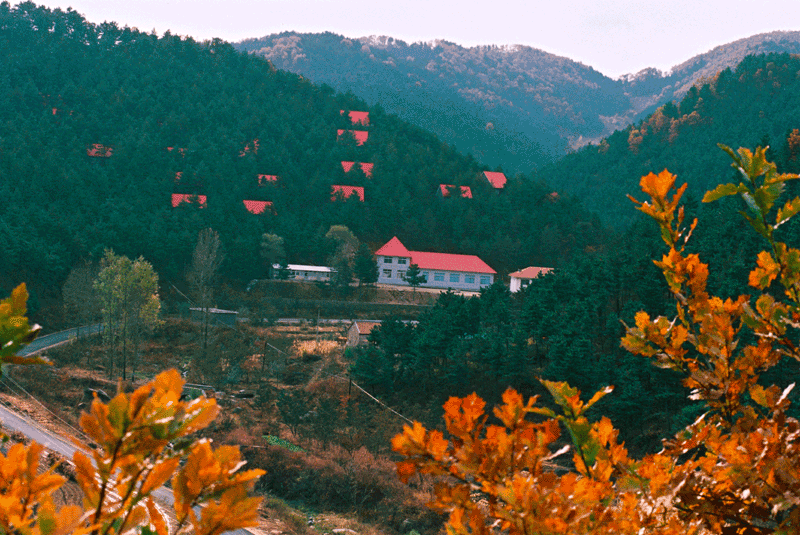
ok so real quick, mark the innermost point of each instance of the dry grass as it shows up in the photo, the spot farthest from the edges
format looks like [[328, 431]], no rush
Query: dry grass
[[321, 348]]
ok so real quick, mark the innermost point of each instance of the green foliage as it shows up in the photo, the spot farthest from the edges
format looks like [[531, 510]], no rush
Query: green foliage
[[414, 276], [740, 106], [364, 265], [272, 440], [128, 293]]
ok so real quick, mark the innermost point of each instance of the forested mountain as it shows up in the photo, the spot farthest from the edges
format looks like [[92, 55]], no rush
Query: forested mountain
[[514, 106], [89, 114], [757, 103]]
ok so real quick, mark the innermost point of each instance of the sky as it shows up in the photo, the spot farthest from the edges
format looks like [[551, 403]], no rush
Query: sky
[[615, 37]]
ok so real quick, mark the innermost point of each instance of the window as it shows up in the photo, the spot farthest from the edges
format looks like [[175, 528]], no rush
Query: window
[[469, 279], [401, 260], [455, 277], [387, 259], [438, 277], [387, 273], [425, 276], [486, 279], [401, 275]]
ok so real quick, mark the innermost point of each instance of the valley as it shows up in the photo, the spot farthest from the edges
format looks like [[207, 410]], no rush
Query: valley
[[327, 236]]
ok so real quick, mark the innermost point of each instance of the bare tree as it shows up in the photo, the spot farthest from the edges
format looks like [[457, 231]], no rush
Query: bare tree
[[206, 261]]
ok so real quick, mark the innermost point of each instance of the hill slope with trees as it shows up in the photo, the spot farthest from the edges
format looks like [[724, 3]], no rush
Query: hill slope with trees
[[101, 125], [756, 103], [514, 106]]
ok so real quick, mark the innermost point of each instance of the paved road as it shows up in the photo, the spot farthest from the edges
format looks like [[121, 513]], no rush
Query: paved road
[[50, 340], [16, 422]]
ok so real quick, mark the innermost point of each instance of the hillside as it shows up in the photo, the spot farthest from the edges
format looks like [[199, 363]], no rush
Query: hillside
[[510, 105], [757, 103], [102, 125]]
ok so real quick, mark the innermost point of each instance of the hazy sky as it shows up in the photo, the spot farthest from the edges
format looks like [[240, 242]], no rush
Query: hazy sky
[[613, 36]]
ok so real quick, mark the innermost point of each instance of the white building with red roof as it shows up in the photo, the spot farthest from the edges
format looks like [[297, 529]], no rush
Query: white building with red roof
[[522, 278], [441, 270]]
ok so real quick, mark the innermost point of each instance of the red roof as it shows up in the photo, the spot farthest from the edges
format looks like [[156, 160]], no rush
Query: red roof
[[257, 207], [433, 261], [497, 180], [530, 272], [263, 179], [178, 198], [365, 167], [98, 150], [393, 248], [181, 150], [444, 189], [178, 176], [358, 117], [360, 135], [347, 191]]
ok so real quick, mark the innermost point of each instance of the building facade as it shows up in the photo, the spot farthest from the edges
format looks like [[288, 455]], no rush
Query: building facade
[[300, 272], [440, 270]]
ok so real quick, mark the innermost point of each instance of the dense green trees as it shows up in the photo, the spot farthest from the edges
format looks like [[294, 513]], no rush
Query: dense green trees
[[755, 102], [201, 119]]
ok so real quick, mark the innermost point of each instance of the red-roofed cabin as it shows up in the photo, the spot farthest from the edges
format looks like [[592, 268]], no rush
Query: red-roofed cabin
[[360, 135], [496, 179], [366, 168], [444, 190], [346, 192], [358, 117], [98, 150], [263, 180], [440, 270], [258, 207], [522, 278], [180, 198]]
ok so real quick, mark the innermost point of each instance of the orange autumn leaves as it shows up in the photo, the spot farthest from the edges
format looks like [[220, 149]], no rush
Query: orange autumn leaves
[[143, 440], [734, 470]]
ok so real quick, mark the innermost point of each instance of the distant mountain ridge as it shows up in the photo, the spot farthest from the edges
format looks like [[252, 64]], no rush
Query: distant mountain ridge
[[512, 105]]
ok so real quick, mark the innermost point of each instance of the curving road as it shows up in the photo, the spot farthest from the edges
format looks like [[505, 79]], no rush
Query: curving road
[[54, 339], [16, 422]]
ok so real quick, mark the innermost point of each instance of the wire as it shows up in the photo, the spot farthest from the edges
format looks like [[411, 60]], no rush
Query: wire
[[348, 379], [7, 376]]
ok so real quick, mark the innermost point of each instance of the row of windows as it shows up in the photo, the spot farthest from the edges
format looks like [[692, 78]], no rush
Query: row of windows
[[389, 259], [440, 277]]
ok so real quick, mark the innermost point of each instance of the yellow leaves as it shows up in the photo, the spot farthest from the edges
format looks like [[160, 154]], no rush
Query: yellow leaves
[[22, 488], [130, 462], [15, 332], [464, 412], [210, 478], [658, 186], [736, 467], [765, 272]]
